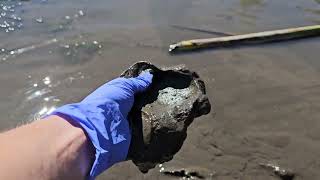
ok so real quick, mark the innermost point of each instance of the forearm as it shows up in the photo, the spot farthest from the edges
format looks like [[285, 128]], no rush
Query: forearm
[[48, 149]]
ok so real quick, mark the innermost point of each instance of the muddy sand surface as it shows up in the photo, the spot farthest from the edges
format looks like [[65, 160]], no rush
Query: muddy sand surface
[[266, 98]]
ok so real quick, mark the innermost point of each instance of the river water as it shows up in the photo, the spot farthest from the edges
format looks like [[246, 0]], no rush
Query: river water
[[266, 97]]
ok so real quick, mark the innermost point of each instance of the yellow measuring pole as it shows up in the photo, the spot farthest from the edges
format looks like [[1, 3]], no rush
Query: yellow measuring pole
[[252, 38]]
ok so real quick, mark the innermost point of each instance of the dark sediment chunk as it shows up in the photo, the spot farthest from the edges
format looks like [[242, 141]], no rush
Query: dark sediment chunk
[[160, 116]]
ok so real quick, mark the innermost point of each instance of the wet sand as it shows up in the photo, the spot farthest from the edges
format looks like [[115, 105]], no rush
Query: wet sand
[[266, 98]]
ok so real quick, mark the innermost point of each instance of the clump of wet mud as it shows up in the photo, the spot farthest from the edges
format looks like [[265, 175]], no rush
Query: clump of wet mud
[[284, 174], [161, 115], [186, 173]]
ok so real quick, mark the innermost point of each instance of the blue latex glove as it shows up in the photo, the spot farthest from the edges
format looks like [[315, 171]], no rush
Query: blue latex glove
[[103, 116]]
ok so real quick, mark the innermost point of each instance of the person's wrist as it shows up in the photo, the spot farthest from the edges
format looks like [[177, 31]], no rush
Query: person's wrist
[[87, 150], [72, 147], [106, 127]]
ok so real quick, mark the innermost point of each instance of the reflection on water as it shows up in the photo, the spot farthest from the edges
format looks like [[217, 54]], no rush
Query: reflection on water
[[46, 111], [6, 54], [80, 51], [64, 23], [40, 96], [9, 16], [76, 51]]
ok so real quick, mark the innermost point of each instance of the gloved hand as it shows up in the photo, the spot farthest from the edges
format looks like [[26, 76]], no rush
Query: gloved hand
[[103, 116]]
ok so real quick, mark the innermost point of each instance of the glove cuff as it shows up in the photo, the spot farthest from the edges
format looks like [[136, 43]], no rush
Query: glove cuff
[[107, 129]]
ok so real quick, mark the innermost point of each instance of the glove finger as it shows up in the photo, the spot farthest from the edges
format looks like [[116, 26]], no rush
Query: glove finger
[[140, 83]]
